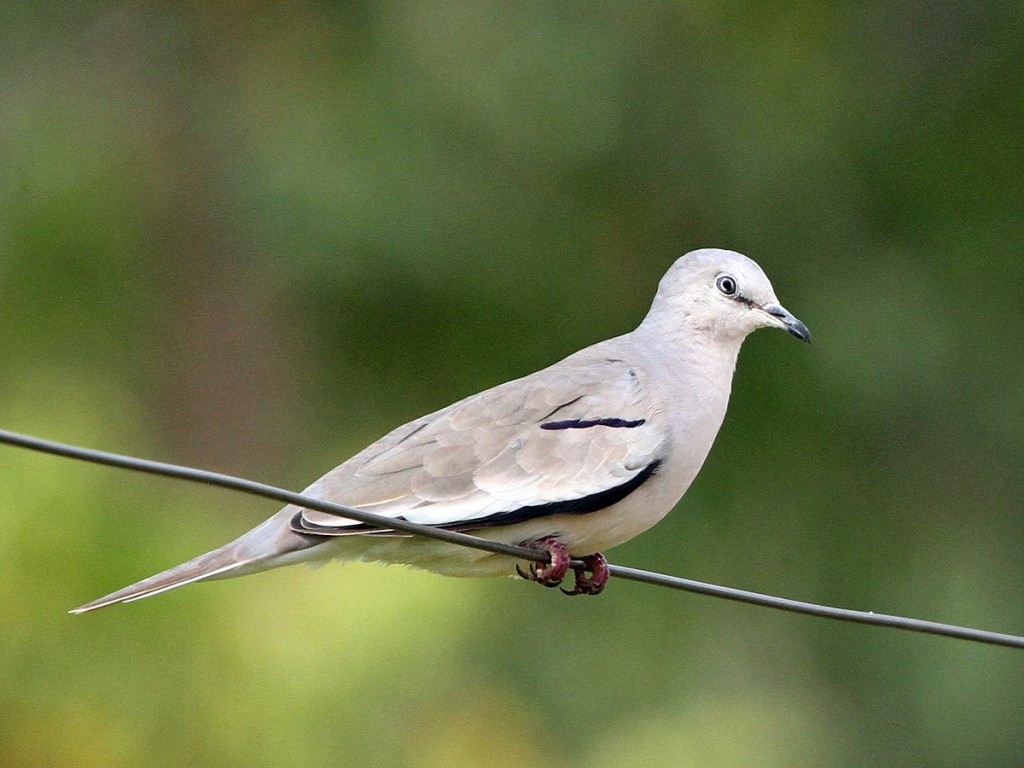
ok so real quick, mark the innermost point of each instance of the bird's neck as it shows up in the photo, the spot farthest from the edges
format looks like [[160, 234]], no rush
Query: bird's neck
[[690, 357], [695, 378], [694, 382]]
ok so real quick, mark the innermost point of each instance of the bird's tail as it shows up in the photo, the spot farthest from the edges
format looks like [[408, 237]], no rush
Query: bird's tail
[[266, 546]]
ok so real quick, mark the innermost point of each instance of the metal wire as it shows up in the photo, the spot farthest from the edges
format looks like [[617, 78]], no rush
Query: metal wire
[[523, 553]]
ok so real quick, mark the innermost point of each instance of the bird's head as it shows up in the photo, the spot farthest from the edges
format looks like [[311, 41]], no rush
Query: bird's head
[[722, 294]]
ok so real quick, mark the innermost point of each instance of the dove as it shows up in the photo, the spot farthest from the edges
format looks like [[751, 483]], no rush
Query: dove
[[571, 460]]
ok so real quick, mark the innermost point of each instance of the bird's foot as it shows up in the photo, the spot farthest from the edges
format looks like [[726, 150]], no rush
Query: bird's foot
[[597, 566], [551, 573]]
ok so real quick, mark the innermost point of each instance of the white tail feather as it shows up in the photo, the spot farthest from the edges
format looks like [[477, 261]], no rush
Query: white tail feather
[[268, 545]]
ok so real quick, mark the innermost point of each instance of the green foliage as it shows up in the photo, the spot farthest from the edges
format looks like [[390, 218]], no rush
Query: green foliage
[[255, 239]]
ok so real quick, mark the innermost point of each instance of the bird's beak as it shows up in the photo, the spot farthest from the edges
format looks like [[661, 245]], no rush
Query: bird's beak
[[788, 321]]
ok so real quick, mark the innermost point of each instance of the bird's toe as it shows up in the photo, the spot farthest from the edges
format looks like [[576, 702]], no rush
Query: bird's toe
[[593, 584], [548, 574]]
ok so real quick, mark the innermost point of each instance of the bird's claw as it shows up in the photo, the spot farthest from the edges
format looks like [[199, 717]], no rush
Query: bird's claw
[[593, 584], [548, 574], [591, 576]]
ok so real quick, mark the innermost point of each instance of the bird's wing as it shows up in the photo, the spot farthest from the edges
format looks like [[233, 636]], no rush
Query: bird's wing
[[573, 438]]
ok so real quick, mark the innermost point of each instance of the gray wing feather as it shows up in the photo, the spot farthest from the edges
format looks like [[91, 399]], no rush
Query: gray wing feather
[[488, 454]]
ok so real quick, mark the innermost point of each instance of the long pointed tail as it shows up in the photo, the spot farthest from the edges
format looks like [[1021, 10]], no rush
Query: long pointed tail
[[269, 545]]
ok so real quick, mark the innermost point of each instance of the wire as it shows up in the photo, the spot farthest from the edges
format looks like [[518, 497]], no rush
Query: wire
[[523, 553]]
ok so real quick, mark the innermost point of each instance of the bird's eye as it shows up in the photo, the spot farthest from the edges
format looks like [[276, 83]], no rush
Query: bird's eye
[[726, 284]]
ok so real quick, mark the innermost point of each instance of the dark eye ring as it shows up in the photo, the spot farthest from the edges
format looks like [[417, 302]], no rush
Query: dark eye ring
[[726, 284]]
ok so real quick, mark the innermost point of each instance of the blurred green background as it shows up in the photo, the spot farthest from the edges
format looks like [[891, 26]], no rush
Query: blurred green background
[[254, 239]]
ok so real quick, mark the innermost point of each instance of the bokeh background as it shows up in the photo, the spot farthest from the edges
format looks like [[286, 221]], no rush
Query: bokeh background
[[254, 239]]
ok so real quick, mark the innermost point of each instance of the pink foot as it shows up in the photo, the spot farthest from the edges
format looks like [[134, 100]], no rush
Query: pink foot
[[551, 574], [593, 584]]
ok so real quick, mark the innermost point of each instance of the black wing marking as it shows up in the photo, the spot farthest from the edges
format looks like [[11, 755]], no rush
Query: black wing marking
[[581, 506], [587, 423]]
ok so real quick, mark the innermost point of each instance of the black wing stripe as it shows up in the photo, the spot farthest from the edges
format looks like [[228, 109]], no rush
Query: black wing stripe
[[582, 506], [587, 423]]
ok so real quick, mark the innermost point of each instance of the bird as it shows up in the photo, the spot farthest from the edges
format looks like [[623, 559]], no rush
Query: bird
[[571, 460]]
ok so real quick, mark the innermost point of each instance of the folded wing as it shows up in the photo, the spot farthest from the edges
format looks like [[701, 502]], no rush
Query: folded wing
[[569, 439]]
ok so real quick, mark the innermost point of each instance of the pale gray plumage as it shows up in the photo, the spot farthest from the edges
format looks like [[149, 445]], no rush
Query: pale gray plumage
[[592, 450]]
